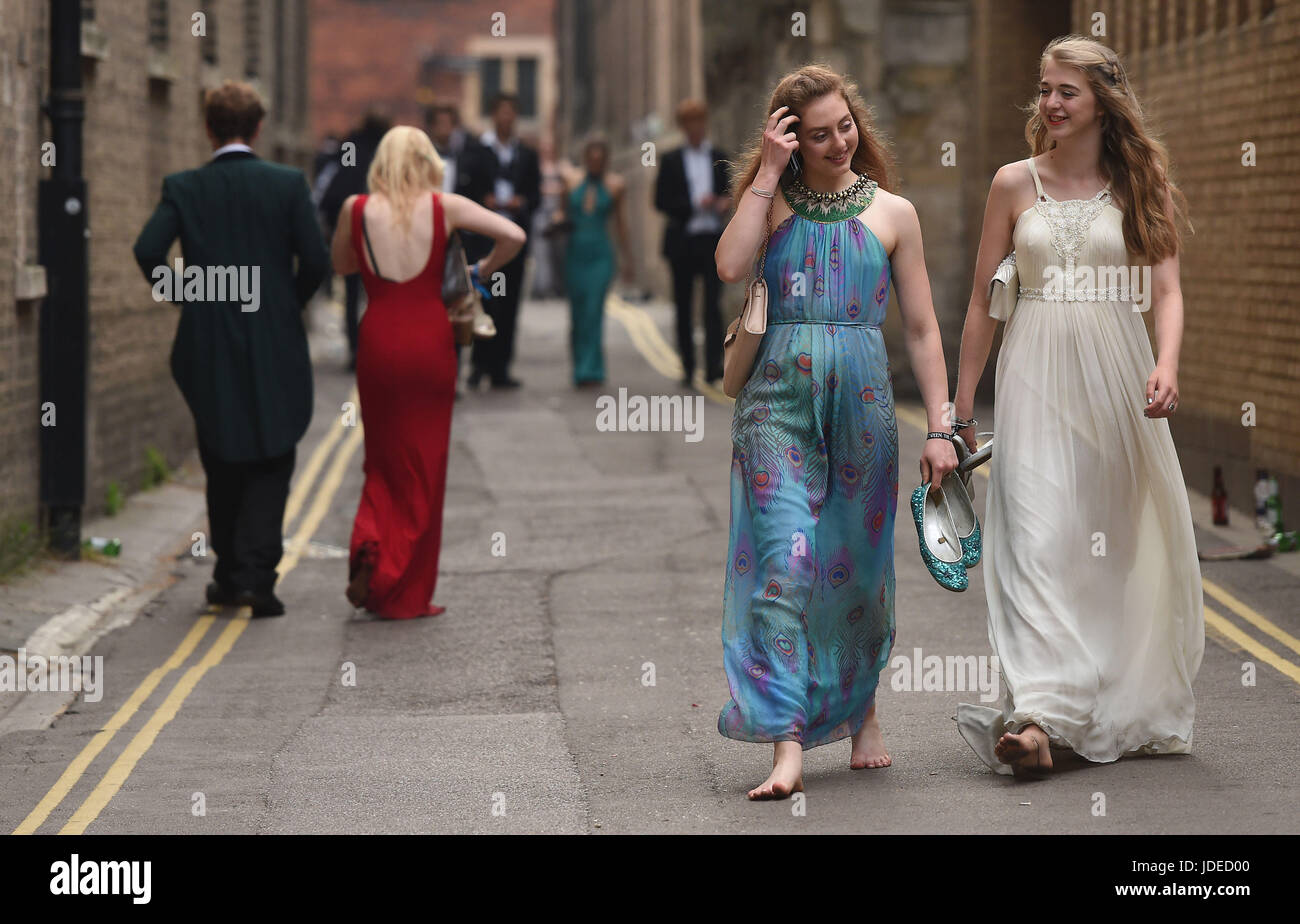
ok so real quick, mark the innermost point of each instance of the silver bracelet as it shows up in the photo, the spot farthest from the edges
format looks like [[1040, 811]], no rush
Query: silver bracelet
[[764, 193]]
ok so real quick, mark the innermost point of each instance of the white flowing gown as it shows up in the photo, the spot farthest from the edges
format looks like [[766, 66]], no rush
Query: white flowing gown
[[1090, 568]]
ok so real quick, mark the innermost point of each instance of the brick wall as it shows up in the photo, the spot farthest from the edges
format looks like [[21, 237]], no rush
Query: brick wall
[[1212, 75], [369, 55], [22, 77], [137, 129]]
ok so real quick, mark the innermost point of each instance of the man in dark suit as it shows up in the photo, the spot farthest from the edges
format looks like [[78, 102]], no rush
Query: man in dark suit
[[464, 164], [240, 355], [514, 191], [467, 172], [691, 190], [349, 179]]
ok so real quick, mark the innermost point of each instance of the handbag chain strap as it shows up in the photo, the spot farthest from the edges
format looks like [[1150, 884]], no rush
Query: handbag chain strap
[[762, 253]]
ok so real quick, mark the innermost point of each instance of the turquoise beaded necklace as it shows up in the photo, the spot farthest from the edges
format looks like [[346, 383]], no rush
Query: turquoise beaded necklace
[[830, 207]]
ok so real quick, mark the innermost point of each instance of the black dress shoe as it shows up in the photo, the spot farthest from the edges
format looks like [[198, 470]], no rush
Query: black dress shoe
[[219, 594], [475, 377], [263, 604], [506, 382]]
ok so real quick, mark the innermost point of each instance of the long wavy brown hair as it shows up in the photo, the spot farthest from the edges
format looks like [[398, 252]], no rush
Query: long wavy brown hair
[[1133, 160], [796, 90]]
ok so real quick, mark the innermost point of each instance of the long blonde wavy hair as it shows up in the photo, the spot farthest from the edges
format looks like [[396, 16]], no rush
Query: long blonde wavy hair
[[406, 166], [1133, 160], [796, 90]]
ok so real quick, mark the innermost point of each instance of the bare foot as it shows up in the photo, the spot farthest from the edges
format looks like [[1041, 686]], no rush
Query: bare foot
[[869, 745], [1029, 752], [787, 773]]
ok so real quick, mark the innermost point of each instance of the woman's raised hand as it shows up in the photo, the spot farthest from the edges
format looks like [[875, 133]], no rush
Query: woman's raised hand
[[779, 142]]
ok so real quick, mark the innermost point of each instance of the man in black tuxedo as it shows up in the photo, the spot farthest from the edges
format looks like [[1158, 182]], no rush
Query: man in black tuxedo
[[240, 355], [691, 190], [514, 190], [465, 166], [349, 179], [467, 171]]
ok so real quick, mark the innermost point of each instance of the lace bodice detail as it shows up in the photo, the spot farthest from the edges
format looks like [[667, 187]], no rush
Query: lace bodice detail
[[1073, 250], [1070, 220]]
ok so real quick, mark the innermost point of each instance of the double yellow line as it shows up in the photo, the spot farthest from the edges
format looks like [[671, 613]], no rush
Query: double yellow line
[[650, 343], [645, 336], [117, 774]]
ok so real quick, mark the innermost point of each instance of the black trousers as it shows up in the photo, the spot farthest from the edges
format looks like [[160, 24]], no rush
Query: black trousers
[[351, 309], [492, 357], [693, 259], [245, 517]]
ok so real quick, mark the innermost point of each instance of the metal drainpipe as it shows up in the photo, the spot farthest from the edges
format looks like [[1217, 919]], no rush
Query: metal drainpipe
[[64, 322]]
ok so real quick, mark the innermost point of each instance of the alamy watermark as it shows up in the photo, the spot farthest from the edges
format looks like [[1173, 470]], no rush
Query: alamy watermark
[[35, 673], [948, 674], [242, 284], [1103, 283], [76, 876], [639, 414]]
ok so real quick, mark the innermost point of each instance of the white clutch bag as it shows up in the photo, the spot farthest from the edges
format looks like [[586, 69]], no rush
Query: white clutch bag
[[1004, 289]]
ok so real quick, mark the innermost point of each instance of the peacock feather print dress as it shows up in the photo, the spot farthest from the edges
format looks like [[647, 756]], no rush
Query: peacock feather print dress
[[808, 605]]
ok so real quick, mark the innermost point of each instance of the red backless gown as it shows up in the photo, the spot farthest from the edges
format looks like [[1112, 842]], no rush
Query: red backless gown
[[406, 378]]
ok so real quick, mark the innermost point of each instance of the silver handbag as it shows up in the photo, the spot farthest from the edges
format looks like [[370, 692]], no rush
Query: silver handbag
[[1004, 289]]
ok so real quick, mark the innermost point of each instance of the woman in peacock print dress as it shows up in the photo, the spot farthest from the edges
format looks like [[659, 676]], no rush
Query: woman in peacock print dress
[[808, 609]]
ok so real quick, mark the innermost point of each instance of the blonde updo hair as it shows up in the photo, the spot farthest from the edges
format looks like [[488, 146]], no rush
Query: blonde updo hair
[[406, 166]]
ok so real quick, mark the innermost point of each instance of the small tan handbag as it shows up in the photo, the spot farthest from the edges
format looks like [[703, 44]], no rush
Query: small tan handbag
[[740, 346], [469, 320]]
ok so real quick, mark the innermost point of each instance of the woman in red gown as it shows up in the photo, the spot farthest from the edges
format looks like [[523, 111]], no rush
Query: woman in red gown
[[406, 365]]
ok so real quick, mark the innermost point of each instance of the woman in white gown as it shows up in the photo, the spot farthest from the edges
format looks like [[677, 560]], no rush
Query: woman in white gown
[[1091, 575]]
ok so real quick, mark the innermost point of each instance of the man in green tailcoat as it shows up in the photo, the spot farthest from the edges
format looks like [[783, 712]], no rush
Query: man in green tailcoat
[[240, 355]]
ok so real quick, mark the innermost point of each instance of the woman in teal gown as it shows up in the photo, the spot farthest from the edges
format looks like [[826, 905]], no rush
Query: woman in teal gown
[[808, 606], [592, 198]]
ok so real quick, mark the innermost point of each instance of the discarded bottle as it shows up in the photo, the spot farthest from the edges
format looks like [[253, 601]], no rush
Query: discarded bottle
[[1273, 506], [1279, 538], [1263, 516], [1219, 498], [109, 547]]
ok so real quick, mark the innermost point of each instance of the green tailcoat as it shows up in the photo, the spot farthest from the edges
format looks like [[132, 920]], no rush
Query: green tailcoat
[[249, 225]]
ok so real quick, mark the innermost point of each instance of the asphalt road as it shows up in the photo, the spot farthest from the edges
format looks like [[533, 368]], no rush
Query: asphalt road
[[528, 706]]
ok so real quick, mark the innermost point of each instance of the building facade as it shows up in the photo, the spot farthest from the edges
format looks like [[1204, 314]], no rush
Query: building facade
[[400, 57]]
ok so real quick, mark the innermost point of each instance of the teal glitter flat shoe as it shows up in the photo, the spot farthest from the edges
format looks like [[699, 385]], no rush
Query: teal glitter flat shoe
[[941, 549], [963, 518]]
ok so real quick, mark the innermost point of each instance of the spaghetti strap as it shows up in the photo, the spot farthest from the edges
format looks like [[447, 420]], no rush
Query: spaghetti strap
[[1038, 184]]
